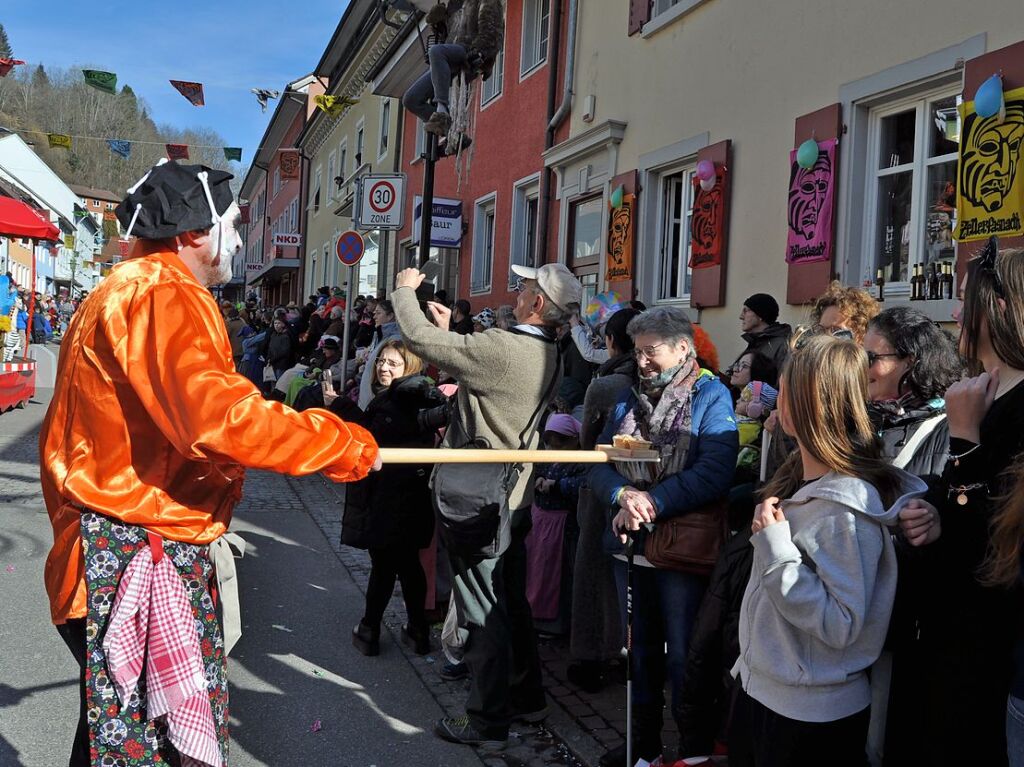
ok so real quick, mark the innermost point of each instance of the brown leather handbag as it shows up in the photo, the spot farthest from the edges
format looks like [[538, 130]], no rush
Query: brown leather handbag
[[690, 542]]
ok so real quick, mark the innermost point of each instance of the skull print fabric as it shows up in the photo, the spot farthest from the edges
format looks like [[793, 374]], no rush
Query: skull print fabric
[[120, 733]]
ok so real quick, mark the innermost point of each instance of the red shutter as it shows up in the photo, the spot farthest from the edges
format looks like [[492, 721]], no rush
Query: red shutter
[[1008, 61], [639, 14], [707, 288], [808, 281], [630, 185]]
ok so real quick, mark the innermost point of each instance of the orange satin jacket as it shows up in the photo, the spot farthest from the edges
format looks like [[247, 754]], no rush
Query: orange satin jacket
[[151, 424]]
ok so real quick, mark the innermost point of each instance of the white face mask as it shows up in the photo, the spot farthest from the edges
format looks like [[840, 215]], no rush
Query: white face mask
[[225, 241]]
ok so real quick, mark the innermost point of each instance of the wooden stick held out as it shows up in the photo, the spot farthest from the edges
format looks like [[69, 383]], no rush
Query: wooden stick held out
[[603, 454]]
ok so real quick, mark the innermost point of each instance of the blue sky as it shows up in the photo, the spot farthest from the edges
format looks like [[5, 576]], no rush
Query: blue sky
[[229, 46]]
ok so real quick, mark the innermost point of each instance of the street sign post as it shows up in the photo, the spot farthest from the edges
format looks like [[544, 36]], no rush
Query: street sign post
[[380, 202], [350, 249]]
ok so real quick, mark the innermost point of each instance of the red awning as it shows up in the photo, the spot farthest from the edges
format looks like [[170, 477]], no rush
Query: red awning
[[19, 220]]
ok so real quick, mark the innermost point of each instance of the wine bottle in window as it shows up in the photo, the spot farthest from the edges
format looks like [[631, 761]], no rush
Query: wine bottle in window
[[947, 281], [915, 284], [880, 283], [933, 283]]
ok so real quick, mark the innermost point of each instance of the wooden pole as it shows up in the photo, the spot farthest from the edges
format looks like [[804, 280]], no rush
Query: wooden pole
[[396, 455]]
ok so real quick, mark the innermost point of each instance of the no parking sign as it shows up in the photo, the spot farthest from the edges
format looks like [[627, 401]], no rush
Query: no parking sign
[[350, 247]]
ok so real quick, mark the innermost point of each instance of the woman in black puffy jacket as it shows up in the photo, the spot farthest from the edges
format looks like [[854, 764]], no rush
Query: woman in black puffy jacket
[[389, 512]]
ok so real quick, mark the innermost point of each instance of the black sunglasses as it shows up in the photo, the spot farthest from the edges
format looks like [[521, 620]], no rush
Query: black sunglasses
[[987, 263], [874, 357]]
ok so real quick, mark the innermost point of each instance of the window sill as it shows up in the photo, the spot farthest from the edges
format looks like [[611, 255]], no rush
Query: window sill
[[481, 291], [665, 18], [937, 311]]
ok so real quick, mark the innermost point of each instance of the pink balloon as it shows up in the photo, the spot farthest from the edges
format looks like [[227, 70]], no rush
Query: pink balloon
[[705, 170]]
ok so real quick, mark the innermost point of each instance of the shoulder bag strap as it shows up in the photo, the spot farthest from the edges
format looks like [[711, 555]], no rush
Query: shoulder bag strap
[[927, 427]]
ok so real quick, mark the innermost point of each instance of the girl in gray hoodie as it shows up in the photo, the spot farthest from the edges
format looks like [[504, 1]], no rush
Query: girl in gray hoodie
[[817, 606]]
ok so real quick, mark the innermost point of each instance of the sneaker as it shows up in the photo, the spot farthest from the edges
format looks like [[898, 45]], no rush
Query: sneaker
[[459, 730], [438, 124], [448, 148], [453, 672], [366, 639]]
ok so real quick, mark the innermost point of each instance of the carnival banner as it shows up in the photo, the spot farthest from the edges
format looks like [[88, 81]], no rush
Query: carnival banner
[[176, 151], [289, 162], [243, 211], [119, 147], [809, 234], [233, 153], [334, 105], [58, 141], [101, 81], [69, 241], [621, 227], [192, 91], [990, 191], [263, 95], [707, 222]]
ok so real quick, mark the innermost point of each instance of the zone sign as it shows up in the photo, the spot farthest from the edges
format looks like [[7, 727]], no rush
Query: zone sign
[[381, 202]]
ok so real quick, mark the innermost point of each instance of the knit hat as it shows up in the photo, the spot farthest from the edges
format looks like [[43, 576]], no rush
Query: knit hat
[[560, 423], [764, 306], [485, 318], [172, 198]]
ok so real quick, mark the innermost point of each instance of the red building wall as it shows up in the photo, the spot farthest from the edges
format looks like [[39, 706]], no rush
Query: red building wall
[[508, 143], [283, 292]]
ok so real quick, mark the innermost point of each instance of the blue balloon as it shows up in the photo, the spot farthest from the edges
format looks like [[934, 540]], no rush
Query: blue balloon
[[989, 98], [807, 154]]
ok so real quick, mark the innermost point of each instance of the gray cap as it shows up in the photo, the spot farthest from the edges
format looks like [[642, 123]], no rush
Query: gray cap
[[560, 285]]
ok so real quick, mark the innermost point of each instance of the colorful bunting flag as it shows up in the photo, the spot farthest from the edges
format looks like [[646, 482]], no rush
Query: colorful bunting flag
[[79, 213], [334, 105], [233, 153], [263, 95], [192, 91], [69, 241], [176, 151], [101, 81], [119, 147], [7, 64], [58, 140]]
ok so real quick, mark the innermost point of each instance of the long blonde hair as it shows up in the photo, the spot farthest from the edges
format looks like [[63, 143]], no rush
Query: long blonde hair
[[825, 391]]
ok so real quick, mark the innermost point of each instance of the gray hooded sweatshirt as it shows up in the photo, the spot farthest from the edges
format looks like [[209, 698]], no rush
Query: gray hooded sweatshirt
[[816, 610]]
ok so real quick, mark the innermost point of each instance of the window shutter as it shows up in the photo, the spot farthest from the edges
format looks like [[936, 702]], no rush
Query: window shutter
[[639, 14], [808, 281], [707, 288]]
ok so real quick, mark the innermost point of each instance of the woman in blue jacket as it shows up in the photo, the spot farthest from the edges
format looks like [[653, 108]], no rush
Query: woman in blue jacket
[[687, 414]]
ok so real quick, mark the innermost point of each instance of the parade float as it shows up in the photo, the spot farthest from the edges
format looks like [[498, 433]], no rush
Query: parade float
[[18, 376]]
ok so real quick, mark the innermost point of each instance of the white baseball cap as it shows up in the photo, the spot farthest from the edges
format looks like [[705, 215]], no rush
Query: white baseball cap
[[557, 282]]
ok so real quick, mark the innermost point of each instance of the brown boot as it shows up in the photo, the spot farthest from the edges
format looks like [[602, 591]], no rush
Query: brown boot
[[438, 124]]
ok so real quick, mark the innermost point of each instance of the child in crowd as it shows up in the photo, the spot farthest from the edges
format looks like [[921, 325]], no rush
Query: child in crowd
[[755, 377], [552, 539]]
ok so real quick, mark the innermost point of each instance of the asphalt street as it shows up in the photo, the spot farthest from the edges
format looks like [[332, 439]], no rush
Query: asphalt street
[[299, 694]]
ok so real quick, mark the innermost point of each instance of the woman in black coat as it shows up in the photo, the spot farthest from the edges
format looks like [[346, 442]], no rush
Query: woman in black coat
[[389, 512]]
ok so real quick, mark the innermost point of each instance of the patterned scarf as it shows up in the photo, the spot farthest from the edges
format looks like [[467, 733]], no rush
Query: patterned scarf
[[663, 414]]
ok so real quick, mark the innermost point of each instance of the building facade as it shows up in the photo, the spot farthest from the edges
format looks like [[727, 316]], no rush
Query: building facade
[[668, 84]]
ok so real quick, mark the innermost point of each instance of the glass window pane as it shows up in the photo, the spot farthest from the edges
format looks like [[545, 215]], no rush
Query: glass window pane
[[941, 218], [897, 145], [589, 282], [944, 130], [587, 228], [893, 236]]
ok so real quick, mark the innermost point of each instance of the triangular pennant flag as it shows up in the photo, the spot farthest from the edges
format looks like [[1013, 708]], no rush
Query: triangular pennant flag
[[334, 105], [233, 153], [119, 147], [101, 81], [81, 213], [263, 95], [58, 141], [7, 64], [192, 91], [177, 151]]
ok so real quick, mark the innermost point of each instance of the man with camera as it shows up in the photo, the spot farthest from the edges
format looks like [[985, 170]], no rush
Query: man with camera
[[506, 380]]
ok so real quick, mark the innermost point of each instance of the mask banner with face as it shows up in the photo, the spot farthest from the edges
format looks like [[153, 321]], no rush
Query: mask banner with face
[[990, 191]]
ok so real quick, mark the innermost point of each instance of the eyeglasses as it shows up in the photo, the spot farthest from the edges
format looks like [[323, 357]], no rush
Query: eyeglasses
[[741, 366], [987, 263], [874, 357], [383, 362], [647, 351]]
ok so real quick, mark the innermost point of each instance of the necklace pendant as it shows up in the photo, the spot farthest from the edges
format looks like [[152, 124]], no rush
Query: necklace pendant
[[962, 499]]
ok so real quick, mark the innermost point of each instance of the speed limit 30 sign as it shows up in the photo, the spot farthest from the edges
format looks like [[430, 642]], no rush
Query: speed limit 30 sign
[[381, 202]]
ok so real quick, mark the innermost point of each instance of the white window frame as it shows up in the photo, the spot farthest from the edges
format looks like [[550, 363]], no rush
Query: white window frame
[[421, 141], [523, 192], [535, 34], [687, 170], [360, 142], [484, 208], [277, 180], [384, 137], [331, 160], [316, 191], [491, 88], [664, 12], [920, 101]]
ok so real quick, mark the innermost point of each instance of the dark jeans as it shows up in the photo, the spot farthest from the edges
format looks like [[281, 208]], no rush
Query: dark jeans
[[759, 737], [446, 60], [501, 649], [388, 564], [73, 634], [665, 605]]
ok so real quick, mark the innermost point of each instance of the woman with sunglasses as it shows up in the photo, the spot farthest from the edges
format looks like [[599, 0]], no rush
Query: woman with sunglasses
[[971, 633], [391, 514]]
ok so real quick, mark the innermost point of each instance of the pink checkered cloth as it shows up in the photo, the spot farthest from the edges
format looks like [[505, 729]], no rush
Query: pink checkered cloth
[[152, 624]]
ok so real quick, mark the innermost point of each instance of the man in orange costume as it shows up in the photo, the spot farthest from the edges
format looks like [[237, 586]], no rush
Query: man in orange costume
[[148, 434]]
